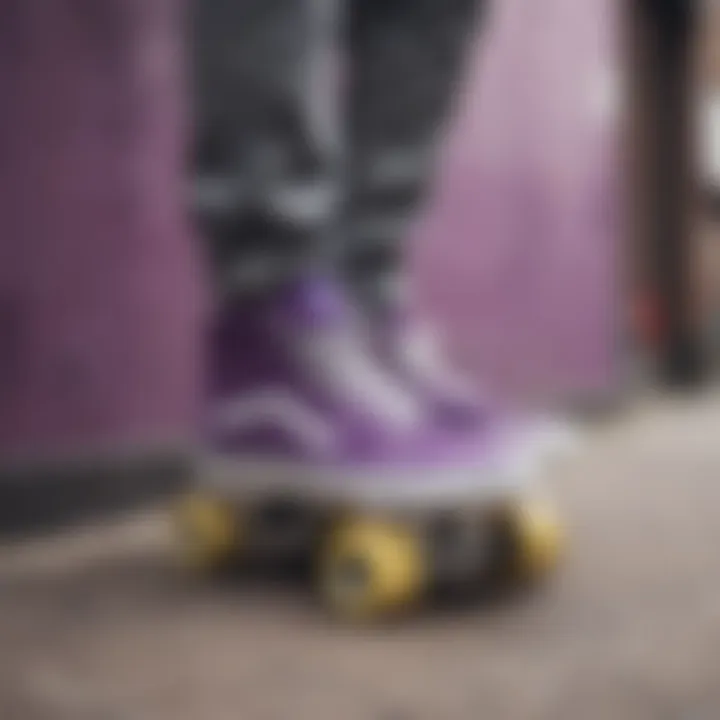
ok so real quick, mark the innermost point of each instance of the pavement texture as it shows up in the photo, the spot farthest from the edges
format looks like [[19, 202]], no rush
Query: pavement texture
[[99, 625]]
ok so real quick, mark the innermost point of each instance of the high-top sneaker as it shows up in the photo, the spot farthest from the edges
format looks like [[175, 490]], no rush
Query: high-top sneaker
[[414, 351], [299, 400]]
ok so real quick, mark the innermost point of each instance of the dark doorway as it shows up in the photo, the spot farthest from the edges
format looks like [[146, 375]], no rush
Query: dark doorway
[[661, 141]]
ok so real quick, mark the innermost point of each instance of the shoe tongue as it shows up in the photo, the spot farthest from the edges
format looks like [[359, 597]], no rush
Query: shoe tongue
[[314, 303]]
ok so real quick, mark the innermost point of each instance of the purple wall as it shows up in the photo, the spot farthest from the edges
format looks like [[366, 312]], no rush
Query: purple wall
[[99, 294], [98, 290], [516, 253]]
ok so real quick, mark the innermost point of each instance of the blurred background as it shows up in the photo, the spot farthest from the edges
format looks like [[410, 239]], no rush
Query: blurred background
[[570, 249]]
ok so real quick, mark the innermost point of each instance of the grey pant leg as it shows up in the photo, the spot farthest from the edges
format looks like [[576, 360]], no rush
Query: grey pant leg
[[406, 56], [266, 141]]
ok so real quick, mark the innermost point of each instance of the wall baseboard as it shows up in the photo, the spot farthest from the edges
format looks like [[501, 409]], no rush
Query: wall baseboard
[[41, 496]]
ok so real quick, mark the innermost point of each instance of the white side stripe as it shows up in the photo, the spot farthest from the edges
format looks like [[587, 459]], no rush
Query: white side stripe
[[342, 363], [422, 350], [274, 407]]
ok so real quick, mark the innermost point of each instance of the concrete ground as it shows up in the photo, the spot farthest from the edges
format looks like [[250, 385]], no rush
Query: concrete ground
[[99, 626]]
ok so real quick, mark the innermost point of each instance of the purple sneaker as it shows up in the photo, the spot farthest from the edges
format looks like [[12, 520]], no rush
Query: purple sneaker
[[301, 402], [413, 351]]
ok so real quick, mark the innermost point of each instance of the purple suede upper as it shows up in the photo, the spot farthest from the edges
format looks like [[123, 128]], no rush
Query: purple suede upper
[[252, 349]]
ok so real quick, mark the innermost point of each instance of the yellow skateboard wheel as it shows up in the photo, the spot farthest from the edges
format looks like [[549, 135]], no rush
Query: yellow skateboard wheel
[[208, 532], [536, 538], [372, 568]]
